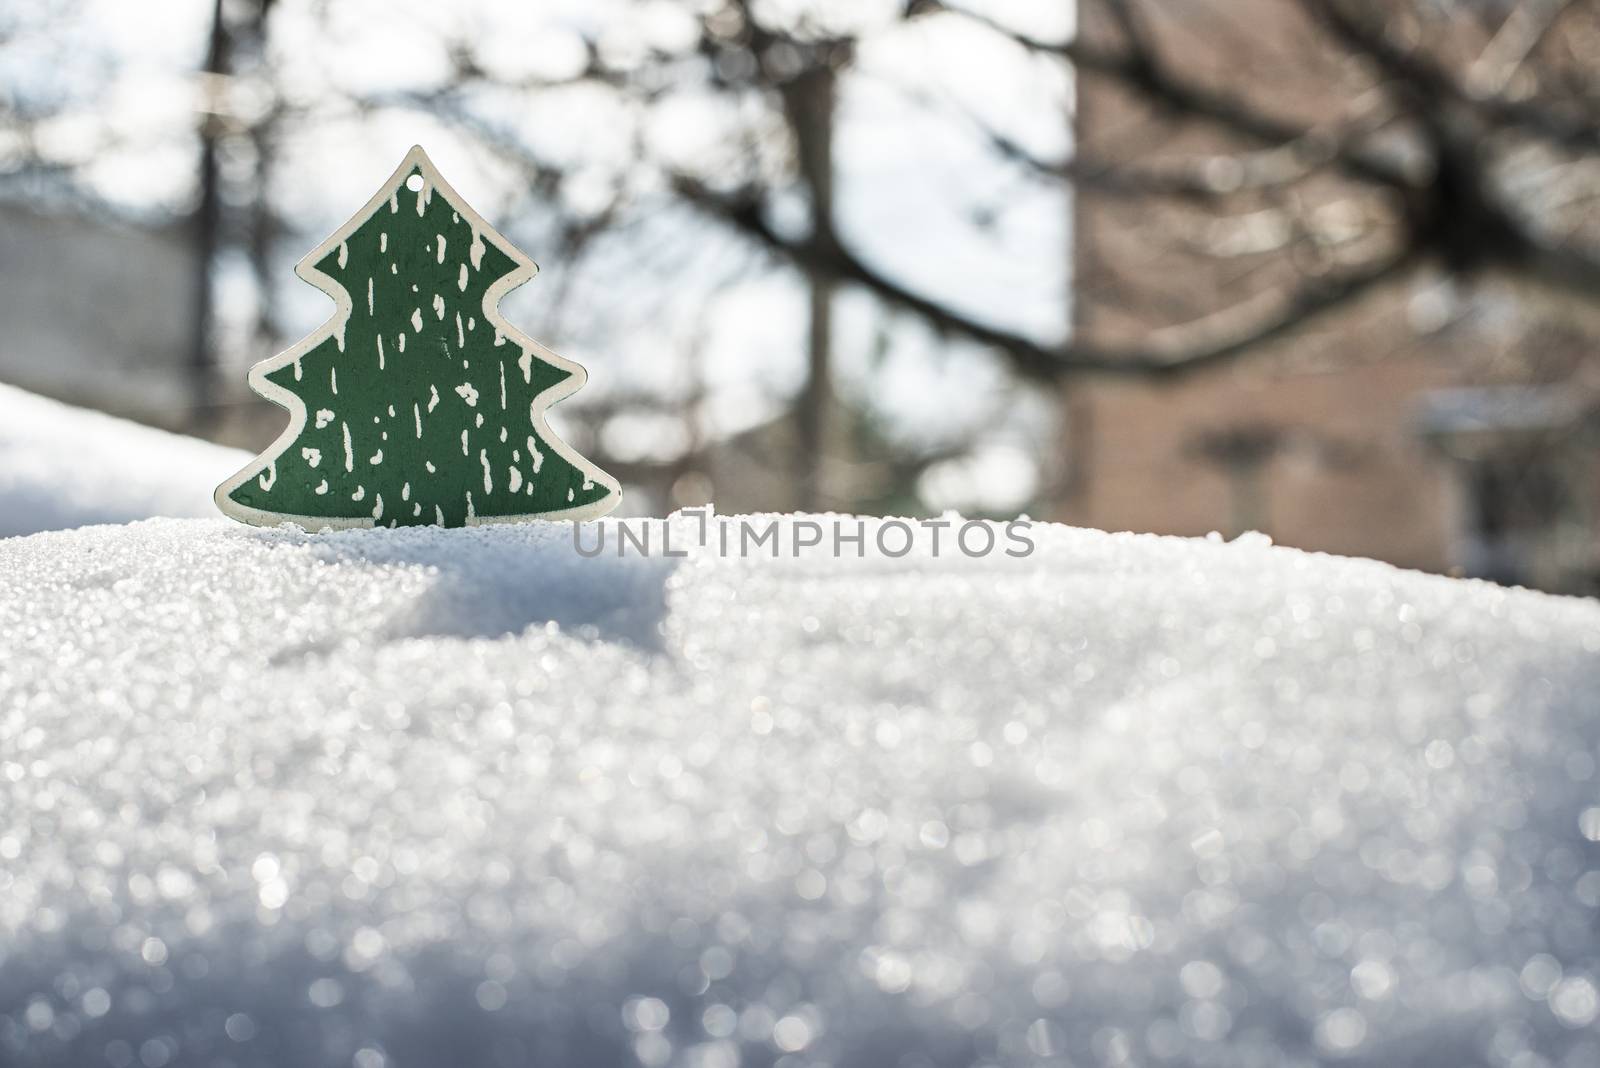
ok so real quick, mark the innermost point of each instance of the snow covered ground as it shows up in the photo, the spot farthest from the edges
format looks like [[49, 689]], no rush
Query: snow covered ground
[[63, 467], [465, 798]]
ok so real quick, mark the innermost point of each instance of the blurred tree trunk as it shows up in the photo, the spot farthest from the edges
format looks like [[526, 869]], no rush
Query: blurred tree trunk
[[1065, 482], [264, 226], [208, 221], [810, 100], [234, 214]]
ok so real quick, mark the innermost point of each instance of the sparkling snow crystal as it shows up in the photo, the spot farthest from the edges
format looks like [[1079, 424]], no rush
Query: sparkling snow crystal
[[465, 798]]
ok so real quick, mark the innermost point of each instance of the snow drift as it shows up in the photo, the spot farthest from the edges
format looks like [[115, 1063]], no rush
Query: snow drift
[[463, 797], [64, 467]]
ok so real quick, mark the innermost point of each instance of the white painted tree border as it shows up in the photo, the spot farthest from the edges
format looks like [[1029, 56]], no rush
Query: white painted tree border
[[416, 159]]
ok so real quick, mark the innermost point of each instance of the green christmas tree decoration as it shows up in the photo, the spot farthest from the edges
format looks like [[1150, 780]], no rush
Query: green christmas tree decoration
[[416, 404]]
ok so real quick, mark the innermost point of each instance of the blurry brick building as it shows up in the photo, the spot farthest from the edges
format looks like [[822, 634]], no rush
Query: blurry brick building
[[1419, 426]]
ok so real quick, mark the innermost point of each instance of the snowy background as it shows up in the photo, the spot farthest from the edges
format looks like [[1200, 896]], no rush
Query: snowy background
[[400, 799], [63, 467], [689, 331], [873, 256], [462, 797]]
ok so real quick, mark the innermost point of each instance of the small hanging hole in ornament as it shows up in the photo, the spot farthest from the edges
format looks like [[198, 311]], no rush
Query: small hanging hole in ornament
[[414, 183]]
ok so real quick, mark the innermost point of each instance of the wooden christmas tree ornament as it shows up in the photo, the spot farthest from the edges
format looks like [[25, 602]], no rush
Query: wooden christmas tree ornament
[[416, 403]]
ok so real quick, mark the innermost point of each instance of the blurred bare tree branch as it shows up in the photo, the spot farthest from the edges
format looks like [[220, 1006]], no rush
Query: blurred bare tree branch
[[1239, 191], [1423, 151]]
